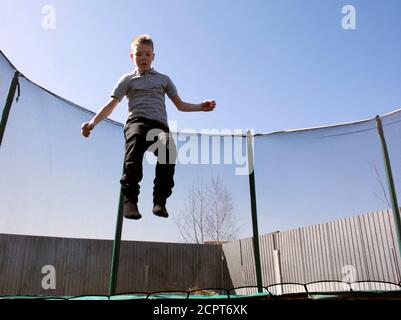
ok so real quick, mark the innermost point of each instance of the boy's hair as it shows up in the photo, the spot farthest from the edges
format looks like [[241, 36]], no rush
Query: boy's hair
[[142, 39]]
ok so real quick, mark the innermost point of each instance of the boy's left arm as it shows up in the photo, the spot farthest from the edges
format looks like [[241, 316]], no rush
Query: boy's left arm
[[207, 105]]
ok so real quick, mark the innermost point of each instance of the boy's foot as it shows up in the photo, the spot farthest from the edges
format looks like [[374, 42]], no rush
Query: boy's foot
[[131, 211], [160, 210]]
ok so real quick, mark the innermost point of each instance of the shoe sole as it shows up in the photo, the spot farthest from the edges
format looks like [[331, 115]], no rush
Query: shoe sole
[[133, 217], [160, 214]]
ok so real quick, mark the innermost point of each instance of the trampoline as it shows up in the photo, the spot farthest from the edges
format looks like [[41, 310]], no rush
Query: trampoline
[[315, 210]]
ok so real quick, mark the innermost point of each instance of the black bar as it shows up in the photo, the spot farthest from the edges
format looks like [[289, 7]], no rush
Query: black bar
[[116, 247], [390, 182], [7, 106], [255, 239]]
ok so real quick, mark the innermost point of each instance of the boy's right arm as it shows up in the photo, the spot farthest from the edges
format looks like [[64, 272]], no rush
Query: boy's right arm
[[103, 113]]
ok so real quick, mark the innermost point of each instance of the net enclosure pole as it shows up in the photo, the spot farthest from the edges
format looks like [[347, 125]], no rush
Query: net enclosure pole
[[390, 182], [116, 247], [7, 106], [256, 250]]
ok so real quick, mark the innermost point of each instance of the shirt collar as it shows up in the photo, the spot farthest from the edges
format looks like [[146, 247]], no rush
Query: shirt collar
[[151, 70]]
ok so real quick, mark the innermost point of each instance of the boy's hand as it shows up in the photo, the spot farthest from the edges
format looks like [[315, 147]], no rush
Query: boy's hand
[[86, 129], [208, 105]]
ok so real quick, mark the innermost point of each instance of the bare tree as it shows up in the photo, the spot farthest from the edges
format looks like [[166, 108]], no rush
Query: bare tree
[[191, 222], [379, 179], [208, 213], [220, 222]]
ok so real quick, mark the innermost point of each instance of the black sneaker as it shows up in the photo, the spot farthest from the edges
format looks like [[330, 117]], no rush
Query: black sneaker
[[160, 210], [131, 211]]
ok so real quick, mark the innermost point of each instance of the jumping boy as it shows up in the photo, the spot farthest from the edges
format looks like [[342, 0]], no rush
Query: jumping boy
[[145, 89]]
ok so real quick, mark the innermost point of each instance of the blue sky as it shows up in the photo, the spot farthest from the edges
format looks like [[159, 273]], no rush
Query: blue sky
[[270, 65]]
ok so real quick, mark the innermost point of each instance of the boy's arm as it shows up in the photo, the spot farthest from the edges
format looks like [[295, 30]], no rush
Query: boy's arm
[[103, 113], [207, 105]]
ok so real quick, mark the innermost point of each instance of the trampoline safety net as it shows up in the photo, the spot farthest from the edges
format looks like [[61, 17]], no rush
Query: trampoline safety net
[[307, 211]]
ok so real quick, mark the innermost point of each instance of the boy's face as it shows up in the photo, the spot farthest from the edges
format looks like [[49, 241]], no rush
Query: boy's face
[[142, 55]]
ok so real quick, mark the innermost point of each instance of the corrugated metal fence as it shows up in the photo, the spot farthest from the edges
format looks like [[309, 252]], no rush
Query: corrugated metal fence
[[83, 266], [358, 248], [352, 249]]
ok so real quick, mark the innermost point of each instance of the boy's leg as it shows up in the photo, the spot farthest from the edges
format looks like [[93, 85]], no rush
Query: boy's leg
[[135, 147], [165, 168]]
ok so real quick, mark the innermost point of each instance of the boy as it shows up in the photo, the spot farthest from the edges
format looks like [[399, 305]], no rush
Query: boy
[[145, 89]]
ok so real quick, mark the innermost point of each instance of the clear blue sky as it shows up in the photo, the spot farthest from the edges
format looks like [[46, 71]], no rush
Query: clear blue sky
[[270, 65]]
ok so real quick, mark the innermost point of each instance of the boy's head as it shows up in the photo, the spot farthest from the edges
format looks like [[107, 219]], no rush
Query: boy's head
[[142, 52]]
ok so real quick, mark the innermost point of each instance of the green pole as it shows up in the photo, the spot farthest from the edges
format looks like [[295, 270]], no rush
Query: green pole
[[390, 182], [116, 247], [7, 106], [256, 250]]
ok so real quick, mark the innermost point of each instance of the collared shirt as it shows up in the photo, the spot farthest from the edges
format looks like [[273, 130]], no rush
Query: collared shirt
[[146, 94]]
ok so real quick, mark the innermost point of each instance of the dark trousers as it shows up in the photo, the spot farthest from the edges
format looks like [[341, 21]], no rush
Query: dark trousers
[[140, 135]]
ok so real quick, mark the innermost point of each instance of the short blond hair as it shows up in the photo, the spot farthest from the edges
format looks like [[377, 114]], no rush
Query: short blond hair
[[142, 39]]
